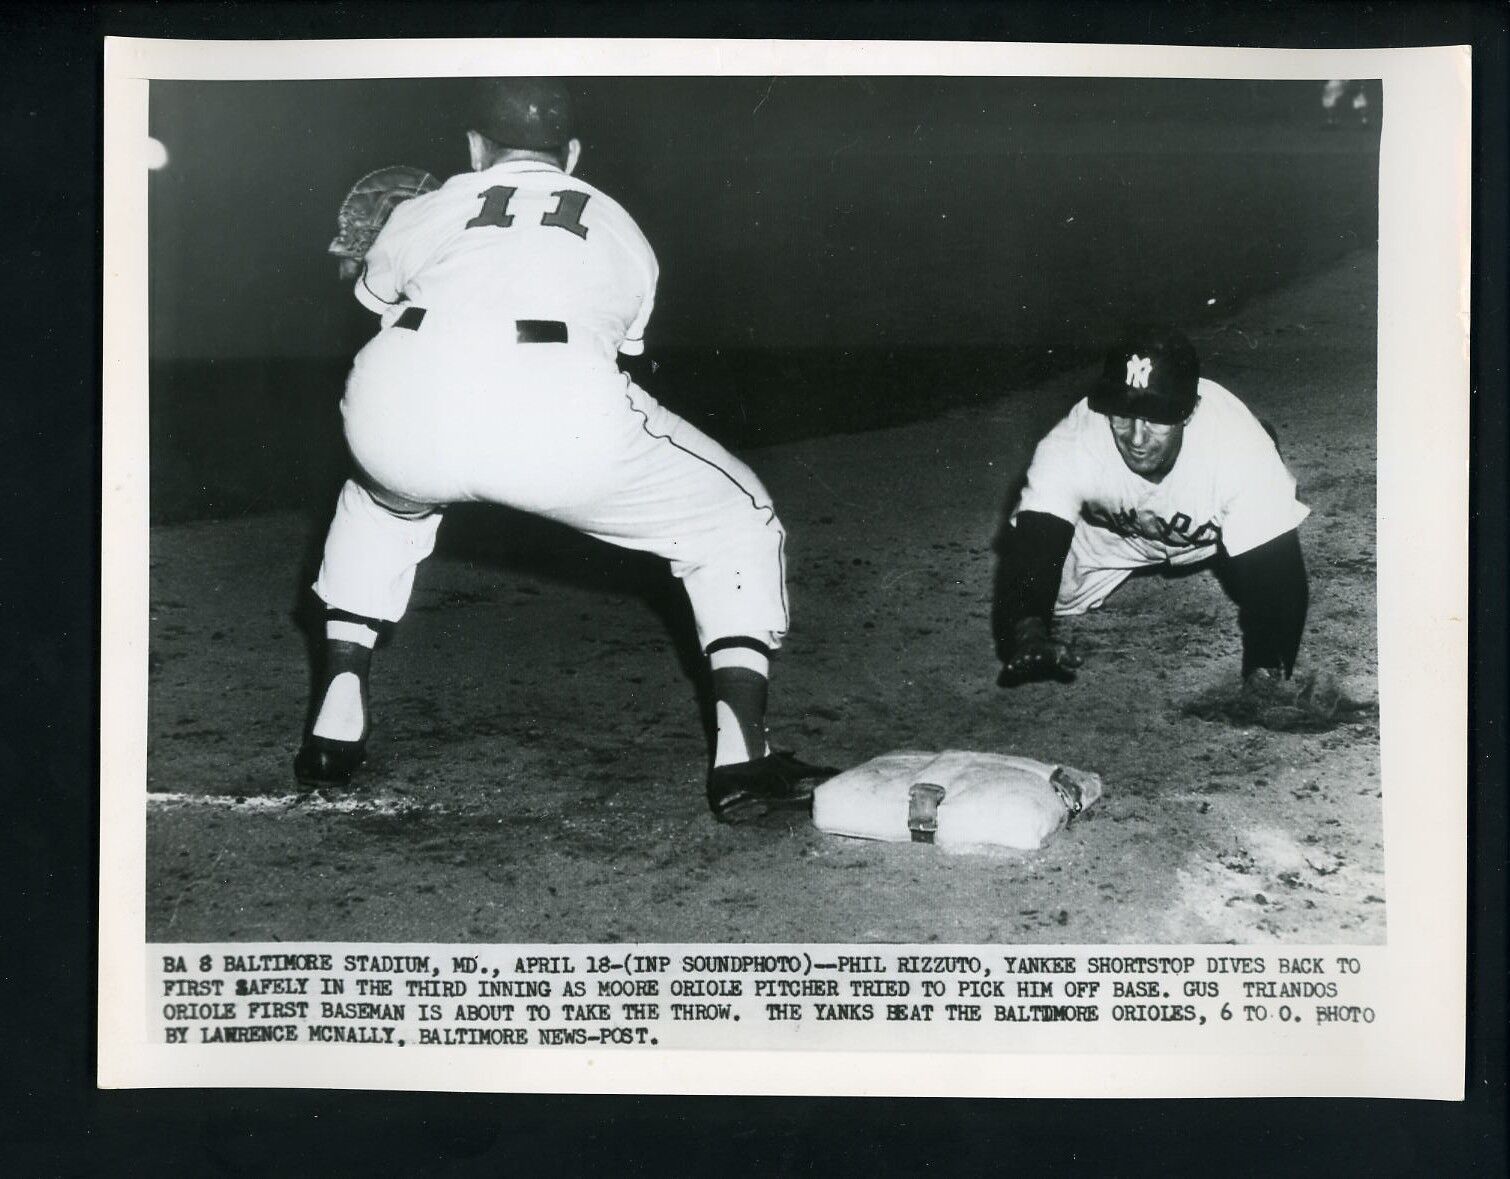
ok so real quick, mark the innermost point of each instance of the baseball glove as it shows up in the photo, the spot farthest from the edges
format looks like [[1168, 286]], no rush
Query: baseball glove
[[368, 206]]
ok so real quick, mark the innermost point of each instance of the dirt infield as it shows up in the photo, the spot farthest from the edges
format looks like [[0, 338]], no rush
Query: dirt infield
[[536, 773]]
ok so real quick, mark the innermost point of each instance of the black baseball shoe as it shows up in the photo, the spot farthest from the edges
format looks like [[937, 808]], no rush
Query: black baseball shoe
[[322, 762], [747, 790]]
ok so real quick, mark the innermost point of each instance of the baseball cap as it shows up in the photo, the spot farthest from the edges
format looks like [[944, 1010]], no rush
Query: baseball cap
[[534, 114], [1150, 372]]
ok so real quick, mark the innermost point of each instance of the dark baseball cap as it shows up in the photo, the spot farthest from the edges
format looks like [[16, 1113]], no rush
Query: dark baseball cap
[[533, 114], [1150, 372]]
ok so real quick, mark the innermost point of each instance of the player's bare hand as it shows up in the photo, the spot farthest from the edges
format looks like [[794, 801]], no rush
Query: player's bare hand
[[1034, 654]]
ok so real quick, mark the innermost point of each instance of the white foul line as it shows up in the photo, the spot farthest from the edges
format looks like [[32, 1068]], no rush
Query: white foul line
[[314, 804]]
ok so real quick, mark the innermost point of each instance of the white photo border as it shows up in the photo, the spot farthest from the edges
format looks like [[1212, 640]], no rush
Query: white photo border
[[1423, 424]]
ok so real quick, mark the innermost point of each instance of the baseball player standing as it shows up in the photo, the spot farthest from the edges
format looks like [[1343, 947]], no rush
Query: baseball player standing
[[505, 297], [1156, 467]]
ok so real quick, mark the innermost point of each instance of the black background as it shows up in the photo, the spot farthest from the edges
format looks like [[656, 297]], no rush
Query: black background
[[53, 1121], [789, 213], [837, 253]]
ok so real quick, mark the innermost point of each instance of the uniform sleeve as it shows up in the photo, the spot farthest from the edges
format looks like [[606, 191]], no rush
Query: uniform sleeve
[[1264, 505], [381, 282], [1057, 476], [1272, 593], [633, 343], [1030, 562]]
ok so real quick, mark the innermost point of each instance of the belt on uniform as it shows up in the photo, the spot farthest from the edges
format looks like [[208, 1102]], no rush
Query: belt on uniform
[[526, 331]]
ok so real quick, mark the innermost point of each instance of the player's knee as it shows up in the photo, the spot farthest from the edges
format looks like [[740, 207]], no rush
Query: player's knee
[[762, 537], [746, 552], [380, 498]]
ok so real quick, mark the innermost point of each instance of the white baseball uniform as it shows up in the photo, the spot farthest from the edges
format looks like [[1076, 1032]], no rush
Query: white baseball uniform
[[1228, 487], [459, 409]]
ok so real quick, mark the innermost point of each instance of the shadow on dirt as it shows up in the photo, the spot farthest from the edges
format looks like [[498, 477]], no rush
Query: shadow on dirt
[[1312, 703]]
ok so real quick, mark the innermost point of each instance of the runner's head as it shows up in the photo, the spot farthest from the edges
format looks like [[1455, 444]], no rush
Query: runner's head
[[1148, 390]]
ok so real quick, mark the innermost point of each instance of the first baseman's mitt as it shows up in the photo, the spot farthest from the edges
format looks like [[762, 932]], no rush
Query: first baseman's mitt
[[368, 206]]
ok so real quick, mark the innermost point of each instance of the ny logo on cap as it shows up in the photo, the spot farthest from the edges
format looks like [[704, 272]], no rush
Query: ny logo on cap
[[1138, 369]]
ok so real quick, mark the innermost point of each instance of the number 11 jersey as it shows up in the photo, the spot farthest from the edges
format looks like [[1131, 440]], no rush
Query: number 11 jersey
[[519, 240]]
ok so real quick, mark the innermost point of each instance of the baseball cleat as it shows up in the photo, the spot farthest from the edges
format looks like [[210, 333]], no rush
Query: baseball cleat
[[323, 762], [748, 790]]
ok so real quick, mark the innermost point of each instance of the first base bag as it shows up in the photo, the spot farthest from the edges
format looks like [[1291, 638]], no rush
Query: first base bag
[[955, 799]]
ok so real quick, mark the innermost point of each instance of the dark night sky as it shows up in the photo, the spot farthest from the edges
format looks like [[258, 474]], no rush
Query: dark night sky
[[793, 212]]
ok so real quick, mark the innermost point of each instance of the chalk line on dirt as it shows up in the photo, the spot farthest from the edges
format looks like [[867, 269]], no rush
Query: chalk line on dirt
[[313, 804]]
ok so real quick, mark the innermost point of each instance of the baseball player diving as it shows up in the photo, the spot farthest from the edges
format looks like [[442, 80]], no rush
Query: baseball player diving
[[505, 296], [1156, 467]]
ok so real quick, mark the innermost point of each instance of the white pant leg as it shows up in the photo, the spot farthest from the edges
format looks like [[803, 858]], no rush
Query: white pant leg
[[436, 417], [371, 554], [681, 495], [1098, 562]]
